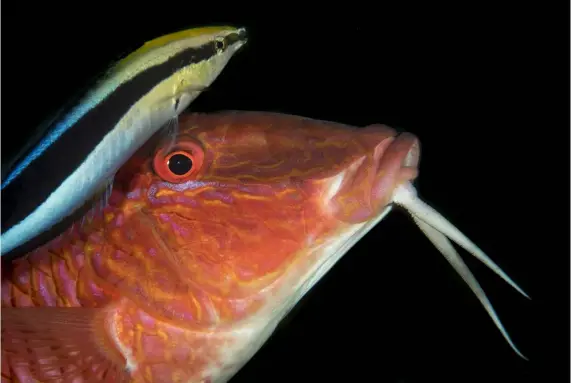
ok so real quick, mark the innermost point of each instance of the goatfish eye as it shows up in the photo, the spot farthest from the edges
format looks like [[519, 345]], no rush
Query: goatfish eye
[[180, 163]]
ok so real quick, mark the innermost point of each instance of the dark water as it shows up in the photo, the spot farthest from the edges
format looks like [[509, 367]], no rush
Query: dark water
[[478, 92]]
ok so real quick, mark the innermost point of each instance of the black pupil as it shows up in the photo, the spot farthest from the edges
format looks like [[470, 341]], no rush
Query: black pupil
[[219, 44], [180, 164]]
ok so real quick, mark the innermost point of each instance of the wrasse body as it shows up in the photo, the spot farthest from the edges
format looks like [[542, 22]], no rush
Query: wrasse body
[[77, 153], [205, 245]]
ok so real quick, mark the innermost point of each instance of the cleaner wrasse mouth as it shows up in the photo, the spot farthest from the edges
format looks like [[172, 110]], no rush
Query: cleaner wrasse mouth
[[72, 163]]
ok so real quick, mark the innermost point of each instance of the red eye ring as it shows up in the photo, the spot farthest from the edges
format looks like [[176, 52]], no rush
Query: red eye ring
[[180, 163]]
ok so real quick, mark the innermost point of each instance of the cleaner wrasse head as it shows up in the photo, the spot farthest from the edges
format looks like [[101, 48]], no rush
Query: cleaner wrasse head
[[77, 153], [211, 238]]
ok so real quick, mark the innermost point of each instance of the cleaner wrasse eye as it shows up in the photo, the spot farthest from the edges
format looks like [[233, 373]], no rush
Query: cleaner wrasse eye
[[208, 241], [82, 148]]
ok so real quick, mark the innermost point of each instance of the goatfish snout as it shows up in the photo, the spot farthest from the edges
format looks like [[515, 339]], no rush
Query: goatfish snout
[[209, 239], [79, 151]]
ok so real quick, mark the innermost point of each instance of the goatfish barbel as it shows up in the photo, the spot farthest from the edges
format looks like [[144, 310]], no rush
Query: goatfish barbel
[[74, 160], [208, 242]]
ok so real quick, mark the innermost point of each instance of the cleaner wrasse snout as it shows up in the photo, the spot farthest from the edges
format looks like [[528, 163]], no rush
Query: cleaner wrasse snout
[[209, 239]]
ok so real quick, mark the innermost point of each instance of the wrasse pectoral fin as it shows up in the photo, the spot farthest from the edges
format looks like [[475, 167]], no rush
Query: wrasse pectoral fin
[[60, 343], [98, 202], [170, 133], [438, 230]]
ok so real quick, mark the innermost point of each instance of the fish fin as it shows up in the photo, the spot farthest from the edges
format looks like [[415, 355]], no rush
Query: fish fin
[[63, 344], [170, 132], [170, 129], [94, 206], [438, 230]]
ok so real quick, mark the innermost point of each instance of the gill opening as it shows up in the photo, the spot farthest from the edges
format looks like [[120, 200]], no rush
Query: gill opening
[[439, 231]]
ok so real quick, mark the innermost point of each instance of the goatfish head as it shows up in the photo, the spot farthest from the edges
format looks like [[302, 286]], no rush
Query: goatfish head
[[252, 209], [211, 236], [74, 158]]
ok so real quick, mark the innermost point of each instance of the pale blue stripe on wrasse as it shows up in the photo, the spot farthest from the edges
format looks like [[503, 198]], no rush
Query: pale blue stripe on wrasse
[[61, 127]]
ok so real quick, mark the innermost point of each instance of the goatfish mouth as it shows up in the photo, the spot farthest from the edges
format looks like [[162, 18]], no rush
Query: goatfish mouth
[[70, 165]]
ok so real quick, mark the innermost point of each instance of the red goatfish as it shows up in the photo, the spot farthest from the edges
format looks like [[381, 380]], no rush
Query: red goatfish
[[207, 242]]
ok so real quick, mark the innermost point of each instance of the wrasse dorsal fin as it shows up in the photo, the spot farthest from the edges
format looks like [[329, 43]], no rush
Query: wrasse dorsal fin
[[438, 230]]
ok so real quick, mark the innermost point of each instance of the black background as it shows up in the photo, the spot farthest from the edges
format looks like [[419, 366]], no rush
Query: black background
[[487, 92]]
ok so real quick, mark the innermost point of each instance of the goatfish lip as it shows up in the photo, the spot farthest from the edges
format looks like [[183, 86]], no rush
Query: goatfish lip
[[366, 187], [397, 165]]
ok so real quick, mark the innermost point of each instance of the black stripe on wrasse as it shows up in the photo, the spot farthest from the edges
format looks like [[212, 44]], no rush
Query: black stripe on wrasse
[[58, 115], [86, 134], [46, 236]]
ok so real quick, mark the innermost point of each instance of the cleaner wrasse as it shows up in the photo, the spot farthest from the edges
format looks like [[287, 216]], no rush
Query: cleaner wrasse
[[77, 153], [208, 241]]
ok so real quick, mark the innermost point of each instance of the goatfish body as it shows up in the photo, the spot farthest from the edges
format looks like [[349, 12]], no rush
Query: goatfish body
[[207, 242], [76, 158]]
